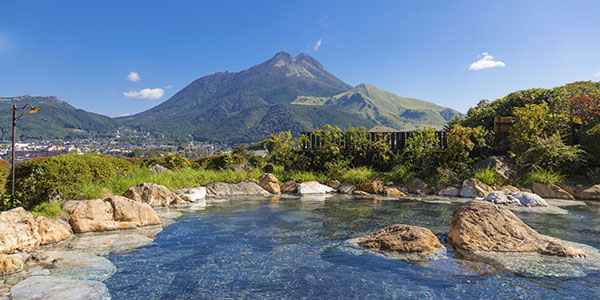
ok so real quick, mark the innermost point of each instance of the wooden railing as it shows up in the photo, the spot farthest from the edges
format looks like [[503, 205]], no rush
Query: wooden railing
[[396, 140]]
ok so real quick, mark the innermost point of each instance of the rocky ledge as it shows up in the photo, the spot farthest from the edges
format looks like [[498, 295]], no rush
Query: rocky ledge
[[402, 238]]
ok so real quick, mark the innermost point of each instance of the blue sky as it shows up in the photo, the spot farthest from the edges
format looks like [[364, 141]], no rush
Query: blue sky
[[83, 51]]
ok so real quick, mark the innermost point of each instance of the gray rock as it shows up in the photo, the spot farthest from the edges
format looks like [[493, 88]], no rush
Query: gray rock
[[346, 188], [499, 197], [77, 265], [244, 188], [449, 191], [472, 188], [501, 164], [192, 194], [418, 186], [54, 288], [313, 187], [520, 199], [156, 168]]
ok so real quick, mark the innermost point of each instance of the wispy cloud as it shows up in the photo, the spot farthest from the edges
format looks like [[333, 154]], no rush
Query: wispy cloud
[[318, 44], [123, 115], [133, 77], [145, 94], [168, 87], [598, 74], [486, 62]]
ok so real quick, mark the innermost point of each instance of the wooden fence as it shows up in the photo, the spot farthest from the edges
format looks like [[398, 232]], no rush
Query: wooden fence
[[396, 140]]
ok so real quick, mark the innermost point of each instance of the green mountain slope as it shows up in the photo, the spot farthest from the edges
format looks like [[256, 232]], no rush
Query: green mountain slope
[[57, 119], [384, 108], [282, 93]]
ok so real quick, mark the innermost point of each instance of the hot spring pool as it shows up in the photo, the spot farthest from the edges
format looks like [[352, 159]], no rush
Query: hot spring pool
[[297, 248]]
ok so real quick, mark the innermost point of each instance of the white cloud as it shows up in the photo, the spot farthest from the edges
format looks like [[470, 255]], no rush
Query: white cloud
[[133, 77], [318, 44], [598, 74], [486, 62], [124, 115], [168, 87], [145, 94]]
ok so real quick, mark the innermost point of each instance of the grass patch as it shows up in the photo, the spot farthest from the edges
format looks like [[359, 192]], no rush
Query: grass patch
[[543, 177], [357, 176], [488, 176], [49, 210]]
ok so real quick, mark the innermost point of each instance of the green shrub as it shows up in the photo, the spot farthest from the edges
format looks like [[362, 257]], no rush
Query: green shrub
[[64, 176], [268, 168], [488, 176], [171, 162], [422, 152], [400, 174], [543, 176], [357, 176], [4, 173], [49, 210], [214, 162]]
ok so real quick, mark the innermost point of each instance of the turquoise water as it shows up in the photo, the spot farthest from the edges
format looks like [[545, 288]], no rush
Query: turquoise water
[[291, 248]]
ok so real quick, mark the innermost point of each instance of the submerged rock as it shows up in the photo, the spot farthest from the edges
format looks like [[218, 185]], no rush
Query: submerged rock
[[401, 238], [52, 231], [313, 187], [153, 194], [18, 231], [109, 214], [591, 193], [244, 188], [472, 188], [54, 288], [270, 183], [483, 226], [551, 191], [78, 265]]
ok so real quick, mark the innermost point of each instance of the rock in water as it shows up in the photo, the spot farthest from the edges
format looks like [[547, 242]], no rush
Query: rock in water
[[418, 186], [109, 214], [244, 188], [54, 288], [313, 187], [288, 187], [374, 186], [483, 226], [18, 231], [551, 191], [520, 199], [52, 231], [346, 188], [335, 184], [153, 194], [402, 238], [192, 194], [472, 188], [591, 193], [270, 183], [449, 191], [393, 192], [10, 264]]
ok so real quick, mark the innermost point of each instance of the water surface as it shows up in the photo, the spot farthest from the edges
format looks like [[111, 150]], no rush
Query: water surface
[[293, 248]]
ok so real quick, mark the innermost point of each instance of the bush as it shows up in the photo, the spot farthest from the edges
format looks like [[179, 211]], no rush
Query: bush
[[4, 174], [543, 176], [488, 176], [422, 152], [214, 162], [400, 174], [48, 210], [64, 176], [170, 162], [357, 176]]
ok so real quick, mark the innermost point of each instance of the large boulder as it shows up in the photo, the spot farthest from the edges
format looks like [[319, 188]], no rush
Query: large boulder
[[374, 186], [313, 187], [52, 231], [449, 191], [192, 194], [472, 188], [153, 194], [402, 238], [483, 226], [551, 191], [245, 188], [156, 168], [269, 182], [10, 264], [418, 186], [18, 231], [519, 199], [112, 213], [288, 187], [501, 164], [591, 193]]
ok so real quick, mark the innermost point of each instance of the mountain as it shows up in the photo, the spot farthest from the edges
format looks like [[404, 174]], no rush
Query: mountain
[[56, 119], [384, 108], [282, 93]]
